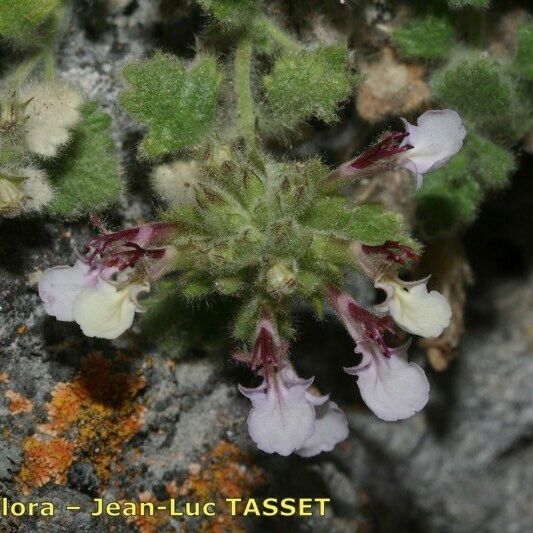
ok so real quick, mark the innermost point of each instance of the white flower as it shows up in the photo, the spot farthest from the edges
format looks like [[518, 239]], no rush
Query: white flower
[[436, 138], [52, 110], [414, 309], [331, 427], [82, 294], [100, 291], [175, 182], [390, 386], [105, 311], [286, 418], [282, 418], [60, 286]]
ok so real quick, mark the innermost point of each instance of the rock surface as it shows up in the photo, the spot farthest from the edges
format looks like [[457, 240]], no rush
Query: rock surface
[[173, 425]]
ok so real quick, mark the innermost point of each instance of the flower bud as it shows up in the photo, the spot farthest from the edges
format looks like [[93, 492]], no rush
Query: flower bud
[[27, 190], [281, 280], [219, 155], [11, 198]]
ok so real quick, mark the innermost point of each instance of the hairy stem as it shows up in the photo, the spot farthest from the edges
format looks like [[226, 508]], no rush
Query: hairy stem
[[245, 104], [49, 63], [24, 70], [45, 55], [276, 34]]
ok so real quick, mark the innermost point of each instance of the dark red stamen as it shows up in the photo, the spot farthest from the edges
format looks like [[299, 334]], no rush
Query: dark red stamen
[[158, 231], [375, 326], [386, 147], [393, 251], [129, 258], [264, 353], [123, 249]]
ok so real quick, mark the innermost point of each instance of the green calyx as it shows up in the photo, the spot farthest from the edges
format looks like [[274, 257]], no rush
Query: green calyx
[[260, 232]]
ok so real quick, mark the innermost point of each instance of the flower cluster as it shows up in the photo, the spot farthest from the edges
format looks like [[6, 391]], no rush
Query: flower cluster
[[100, 291], [264, 234], [287, 418]]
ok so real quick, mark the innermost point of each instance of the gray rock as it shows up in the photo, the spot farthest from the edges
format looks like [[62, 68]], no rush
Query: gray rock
[[82, 477], [465, 463], [10, 459]]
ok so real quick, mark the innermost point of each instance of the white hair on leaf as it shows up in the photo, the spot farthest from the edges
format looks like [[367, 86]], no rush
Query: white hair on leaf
[[175, 182], [52, 109]]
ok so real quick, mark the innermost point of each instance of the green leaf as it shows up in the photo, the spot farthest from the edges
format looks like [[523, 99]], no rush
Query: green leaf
[[491, 163], [480, 4], [368, 223], [232, 12], [178, 105], [449, 198], [477, 88], [306, 83], [428, 38], [86, 177], [523, 63], [19, 18], [374, 224]]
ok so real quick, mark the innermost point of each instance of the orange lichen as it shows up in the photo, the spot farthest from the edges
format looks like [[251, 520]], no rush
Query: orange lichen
[[4, 377], [22, 329], [224, 472], [172, 488], [45, 459], [97, 412], [18, 403], [227, 473], [147, 523]]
